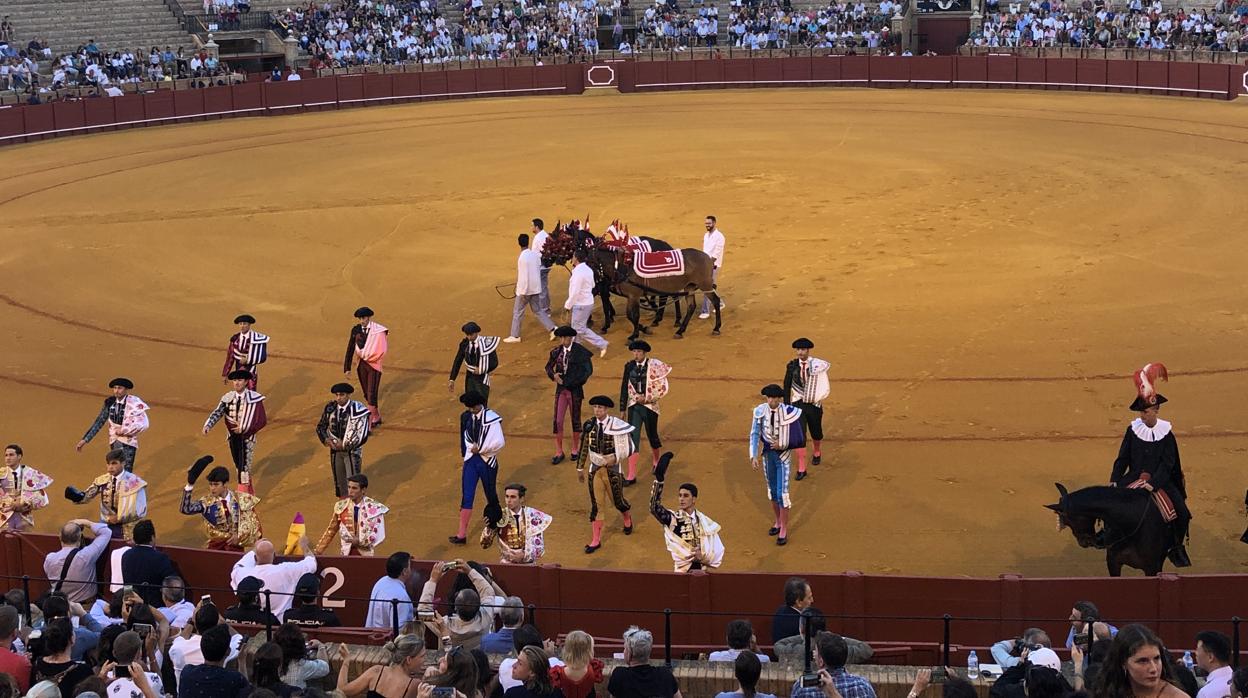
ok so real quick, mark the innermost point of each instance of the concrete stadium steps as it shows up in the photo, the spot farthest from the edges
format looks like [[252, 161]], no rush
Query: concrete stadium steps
[[114, 24]]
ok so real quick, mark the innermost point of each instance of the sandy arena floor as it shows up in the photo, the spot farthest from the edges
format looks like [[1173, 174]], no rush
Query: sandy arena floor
[[983, 269]]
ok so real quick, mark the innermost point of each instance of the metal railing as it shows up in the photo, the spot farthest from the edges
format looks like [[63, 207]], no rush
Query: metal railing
[[1201, 55], [258, 20]]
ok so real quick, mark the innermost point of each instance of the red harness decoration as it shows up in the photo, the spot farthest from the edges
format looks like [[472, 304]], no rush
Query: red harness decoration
[[1160, 498], [652, 264]]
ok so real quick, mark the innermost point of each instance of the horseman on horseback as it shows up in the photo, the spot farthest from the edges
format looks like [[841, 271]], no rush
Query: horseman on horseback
[[1149, 459]]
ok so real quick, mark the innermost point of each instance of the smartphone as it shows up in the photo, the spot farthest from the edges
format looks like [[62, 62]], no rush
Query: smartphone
[[121, 671], [206, 599], [448, 566], [444, 692], [939, 675], [143, 629], [127, 590]]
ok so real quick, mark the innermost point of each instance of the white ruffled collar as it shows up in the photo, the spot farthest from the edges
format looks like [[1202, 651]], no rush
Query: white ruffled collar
[[1146, 433]]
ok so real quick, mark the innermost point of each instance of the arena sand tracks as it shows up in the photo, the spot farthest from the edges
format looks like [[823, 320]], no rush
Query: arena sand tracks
[[977, 266]]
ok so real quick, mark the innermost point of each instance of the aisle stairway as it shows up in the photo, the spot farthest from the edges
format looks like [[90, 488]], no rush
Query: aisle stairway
[[114, 24]]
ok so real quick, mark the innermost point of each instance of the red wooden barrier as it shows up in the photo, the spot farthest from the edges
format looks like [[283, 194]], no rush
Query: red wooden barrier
[[249, 96], [972, 71], [68, 115], [1006, 69], [158, 105], [1060, 73], [100, 112], [889, 71], [738, 70], [680, 74], [1091, 72], [709, 71], [855, 71], [377, 87], [130, 108], [39, 118], [1184, 79], [522, 78], [1120, 73], [188, 102], [12, 122], [492, 80]]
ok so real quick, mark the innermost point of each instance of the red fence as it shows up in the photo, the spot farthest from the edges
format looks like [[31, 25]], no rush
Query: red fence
[[880, 608], [1217, 81], [25, 123]]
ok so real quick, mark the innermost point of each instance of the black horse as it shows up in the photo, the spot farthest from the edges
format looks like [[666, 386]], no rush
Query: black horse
[[1133, 531]]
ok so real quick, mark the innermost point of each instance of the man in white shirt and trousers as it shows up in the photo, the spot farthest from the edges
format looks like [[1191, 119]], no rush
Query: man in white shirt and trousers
[[713, 246], [531, 290], [540, 236], [581, 302]]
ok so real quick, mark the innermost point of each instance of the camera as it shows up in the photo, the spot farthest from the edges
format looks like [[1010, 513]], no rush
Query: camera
[[206, 599], [939, 675], [810, 681], [444, 692], [121, 671]]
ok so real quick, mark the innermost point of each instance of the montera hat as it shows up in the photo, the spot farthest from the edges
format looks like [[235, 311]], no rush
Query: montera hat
[[121, 383], [602, 400], [803, 343], [1146, 394], [472, 398], [245, 318], [364, 311], [239, 375], [342, 388], [772, 390], [639, 345], [471, 327], [565, 331]]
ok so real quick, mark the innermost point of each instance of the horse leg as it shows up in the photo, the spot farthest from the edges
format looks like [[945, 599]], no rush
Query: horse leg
[[608, 311], [715, 303], [1113, 563], [659, 309], [676, 317], [684, 323], [633, 313]]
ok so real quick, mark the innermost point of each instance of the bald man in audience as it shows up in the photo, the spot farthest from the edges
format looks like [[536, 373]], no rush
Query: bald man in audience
[[280, 578]]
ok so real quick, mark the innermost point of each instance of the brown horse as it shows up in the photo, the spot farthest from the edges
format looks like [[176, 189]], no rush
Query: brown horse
[[617, 270]]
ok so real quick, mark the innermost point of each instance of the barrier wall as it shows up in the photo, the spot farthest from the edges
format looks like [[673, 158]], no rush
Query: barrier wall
[[880, 608], [1209, 80]]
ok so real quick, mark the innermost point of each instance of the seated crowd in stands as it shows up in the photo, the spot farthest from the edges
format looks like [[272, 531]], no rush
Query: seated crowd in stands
[[1102, 24], [770, 24], [144, 638]]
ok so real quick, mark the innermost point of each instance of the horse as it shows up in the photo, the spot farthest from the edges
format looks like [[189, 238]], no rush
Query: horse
[[617, 235], [1133, 534], [618, 272]]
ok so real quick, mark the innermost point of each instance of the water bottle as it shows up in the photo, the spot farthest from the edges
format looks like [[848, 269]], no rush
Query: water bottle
[[1187, 660], [972, 665]]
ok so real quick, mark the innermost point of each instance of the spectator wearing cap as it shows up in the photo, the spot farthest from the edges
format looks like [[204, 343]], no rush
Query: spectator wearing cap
[[806, 386], [605, 443], [1008, 653], [570, 365], [478, 356], [279, 578], [211, 679], [249, 608], [72, 567], [481, 440], [831, 653], [775, 431], [144, 567], [344, 428], [369, 342], [243, 410], [1213, 655], [306, 611], [1037, 674], [246, 351], [529, 288], [392, 588], [642, 384], [12, 663], [126, 417], [187, 647], [359, 521]]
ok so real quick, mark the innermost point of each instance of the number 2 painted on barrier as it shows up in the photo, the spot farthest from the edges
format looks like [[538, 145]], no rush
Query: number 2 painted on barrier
[[336, 573]]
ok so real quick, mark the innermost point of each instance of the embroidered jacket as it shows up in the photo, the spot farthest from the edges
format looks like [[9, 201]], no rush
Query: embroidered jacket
[[245, 351], [126, 419], [807, 381], [606, 438], [349, 423], [775, 430], [646, 380], [685, 533], [123, 499], [243, 412], [477, 356], [225, 517], [361, 526], [522, 531], [22, 485]]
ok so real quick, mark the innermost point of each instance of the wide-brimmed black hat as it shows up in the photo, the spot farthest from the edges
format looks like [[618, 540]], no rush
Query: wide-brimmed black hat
[[471, 327], [240, 374], [639, 345], [472, 398], [342, 388], [245, 318], [565, 331], [121, 383], [772, 390], [364, 311], [1141, 404], [602, 400], [803, 343]]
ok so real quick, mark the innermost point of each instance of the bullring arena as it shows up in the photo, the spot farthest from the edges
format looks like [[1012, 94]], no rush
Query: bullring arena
[[983, 269]]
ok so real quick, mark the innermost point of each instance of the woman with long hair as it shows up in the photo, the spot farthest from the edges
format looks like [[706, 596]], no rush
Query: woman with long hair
[[747, 668], [297, 665], [266, 670], [399, 679], [1137, 666], [55, 664], [456, 669], [532, 670], [581, 672]]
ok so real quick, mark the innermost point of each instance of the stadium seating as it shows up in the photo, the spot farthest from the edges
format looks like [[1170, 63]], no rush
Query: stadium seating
[[116, 24]]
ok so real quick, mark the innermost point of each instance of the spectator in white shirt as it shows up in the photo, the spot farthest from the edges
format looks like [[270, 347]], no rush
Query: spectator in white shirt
[[1213, 654], [540, 236], [126, 654], [185, 649], [740, 639], [280, 578], [713, 246], [390, 588], [524, 636], [529, 289], [177, 610], [581, 301]]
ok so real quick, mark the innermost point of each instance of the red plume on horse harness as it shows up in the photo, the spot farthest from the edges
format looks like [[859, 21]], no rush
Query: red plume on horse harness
[[1146, 379]]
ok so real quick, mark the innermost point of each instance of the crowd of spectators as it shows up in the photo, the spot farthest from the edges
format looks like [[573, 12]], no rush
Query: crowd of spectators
[[768, 24], [1103, 24], [144, 638]]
